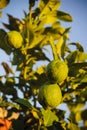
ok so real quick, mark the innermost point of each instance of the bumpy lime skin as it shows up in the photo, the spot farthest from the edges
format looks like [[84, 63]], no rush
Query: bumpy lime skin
[[14, 39], [50, 95], [57, 71]]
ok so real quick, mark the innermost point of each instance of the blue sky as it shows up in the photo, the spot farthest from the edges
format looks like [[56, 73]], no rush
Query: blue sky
[[77, 9]]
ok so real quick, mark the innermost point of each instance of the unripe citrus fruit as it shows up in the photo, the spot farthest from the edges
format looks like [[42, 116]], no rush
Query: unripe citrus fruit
[[50, 95], [57, 71], [14, 39], [3, 3]]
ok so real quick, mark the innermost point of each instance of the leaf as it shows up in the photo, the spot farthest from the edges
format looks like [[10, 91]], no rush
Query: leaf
[[49, 117], [78, 45], [7, 68], [37, 40], [3, 44], [51, 18], [14, 115], [75, 67], [81, 56], [35, 113], [84, 114], [84, 79], [71, 57], [46, 6], [72, 126], [64, 16], [59, 45], [78, 116], [3, 112], [13, 23], [31, 3], [24, 102], [0, 14]]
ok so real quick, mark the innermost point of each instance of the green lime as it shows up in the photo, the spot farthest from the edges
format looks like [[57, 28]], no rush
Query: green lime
[[50, 95], [3, 3], [14, 39], [57, 71]]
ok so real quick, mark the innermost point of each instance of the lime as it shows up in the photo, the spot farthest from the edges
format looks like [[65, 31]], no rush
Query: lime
[[14, 39], [57, 71], [3, 3], [50, 95]]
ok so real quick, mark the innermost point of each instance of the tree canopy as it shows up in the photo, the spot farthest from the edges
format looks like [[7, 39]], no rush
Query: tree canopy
[[42, 34]]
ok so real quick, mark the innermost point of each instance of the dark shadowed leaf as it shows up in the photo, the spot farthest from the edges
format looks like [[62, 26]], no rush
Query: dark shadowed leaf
[[3, 44], [24, 102], [78, 46], [64, 16]]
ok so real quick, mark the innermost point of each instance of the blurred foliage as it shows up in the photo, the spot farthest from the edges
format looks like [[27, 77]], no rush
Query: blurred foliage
[[41, 27]]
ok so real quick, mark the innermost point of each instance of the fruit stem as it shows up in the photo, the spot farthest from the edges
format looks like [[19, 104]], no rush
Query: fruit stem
[[56, 57]]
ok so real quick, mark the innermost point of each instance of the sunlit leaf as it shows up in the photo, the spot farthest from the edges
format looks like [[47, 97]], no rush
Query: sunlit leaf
[[81, 56], [49, 117], [47, 6], [36, 41], [14, 115], [35, 114], [3, 112], [78, 117], [72, 126]]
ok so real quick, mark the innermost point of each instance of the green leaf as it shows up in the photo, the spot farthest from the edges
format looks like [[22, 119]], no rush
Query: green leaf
[[24, 102], [49, 117], [47, 6], [3, 44], [13, 23], [71, 57], [81, 56], [78, 46], [72, 126], [0, 14], [84, 79], [31, 3], [64, 16], [75, 67]]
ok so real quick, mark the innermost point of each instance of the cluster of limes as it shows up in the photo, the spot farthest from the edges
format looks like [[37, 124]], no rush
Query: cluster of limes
[[50, 94]]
